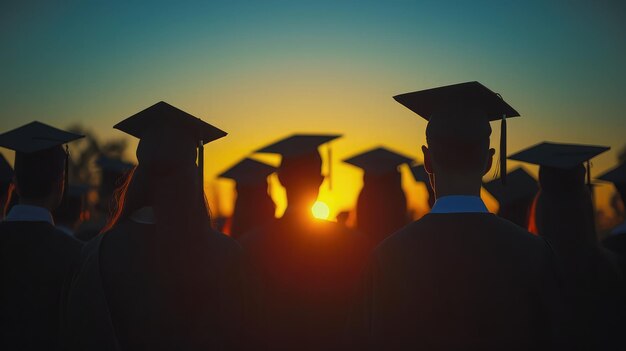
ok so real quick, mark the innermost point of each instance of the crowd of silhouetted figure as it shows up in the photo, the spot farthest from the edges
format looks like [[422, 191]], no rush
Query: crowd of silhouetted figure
[[148, 269]]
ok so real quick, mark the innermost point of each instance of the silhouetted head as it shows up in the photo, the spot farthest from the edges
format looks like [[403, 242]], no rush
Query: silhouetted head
[[302, 177], [167, 178], [300, 171], [564, 208], [40, 162], [617, 176], [381, 205], [516, 197], [70, 211], [458, 144], [32, 183], [253, 208], [253, 205], [458, 133]]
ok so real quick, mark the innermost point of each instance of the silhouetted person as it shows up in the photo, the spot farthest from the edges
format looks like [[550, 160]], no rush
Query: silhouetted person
[[68, 215], [113, 173], [253, 206], [36, 259], [516, 197], [459, 278], [381, 206], [420, 175], [159, 278], [564, 214], [616, 241], [6, 179], [302, 271]]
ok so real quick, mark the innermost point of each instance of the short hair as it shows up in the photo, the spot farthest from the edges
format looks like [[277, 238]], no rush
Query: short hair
[[459, 138], [459, 155], [36, 173]]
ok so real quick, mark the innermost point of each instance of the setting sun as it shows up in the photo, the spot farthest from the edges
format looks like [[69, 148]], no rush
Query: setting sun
[[320, 210]]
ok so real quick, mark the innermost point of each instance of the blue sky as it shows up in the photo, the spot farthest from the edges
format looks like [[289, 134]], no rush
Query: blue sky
[[264, 69]]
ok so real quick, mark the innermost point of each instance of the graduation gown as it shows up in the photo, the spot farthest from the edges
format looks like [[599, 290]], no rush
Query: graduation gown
[[122, 299], [616, 242], [36, 262], [459, 281], [593, 288], [302, 275]]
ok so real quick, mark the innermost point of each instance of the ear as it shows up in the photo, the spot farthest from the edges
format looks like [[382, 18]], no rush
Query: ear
[[428, 166], [489, 163]]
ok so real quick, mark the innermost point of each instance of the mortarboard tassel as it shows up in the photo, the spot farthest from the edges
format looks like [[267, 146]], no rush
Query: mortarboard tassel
[[330, 168], [588, 176], [503, 150], [201, 164], [67, 171]]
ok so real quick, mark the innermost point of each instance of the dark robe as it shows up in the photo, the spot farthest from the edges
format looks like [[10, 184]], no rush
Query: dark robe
[[303, 277], [593, 288], [459, 281], [616, 243], [36, 263], [128, 296]]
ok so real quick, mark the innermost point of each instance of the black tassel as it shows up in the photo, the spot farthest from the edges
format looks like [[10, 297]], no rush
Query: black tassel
[[503, 150], [201, 164], [330, 168], [67, 172], [589, 176]]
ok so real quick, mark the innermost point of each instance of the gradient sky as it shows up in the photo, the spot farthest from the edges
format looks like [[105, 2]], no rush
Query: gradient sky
[[262, 70]]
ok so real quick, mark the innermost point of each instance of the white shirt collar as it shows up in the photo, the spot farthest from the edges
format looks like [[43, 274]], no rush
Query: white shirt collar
[[29, 213], [620, 229], [459, 204]]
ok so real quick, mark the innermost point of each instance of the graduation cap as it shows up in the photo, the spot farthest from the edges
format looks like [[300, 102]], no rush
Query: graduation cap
[[167, 133], [461, 111], [520, 185], [378, 161], [6, 172], [35, 137], [616, 175], [302, 145], [560, 156], [248, 171]]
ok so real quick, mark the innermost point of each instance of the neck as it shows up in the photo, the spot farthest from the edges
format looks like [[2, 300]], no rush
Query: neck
[[45, 203], [299, 207], [456, 184]]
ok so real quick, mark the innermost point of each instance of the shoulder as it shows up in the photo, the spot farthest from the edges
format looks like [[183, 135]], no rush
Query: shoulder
[[441, 228], [42, 232]]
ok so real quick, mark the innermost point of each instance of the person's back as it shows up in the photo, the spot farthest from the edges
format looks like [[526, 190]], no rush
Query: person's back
[[460, 278], [303, 272], [36, 259], [462, 281], [159, 277], [303, 276], [593, 286], [155, 304]]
